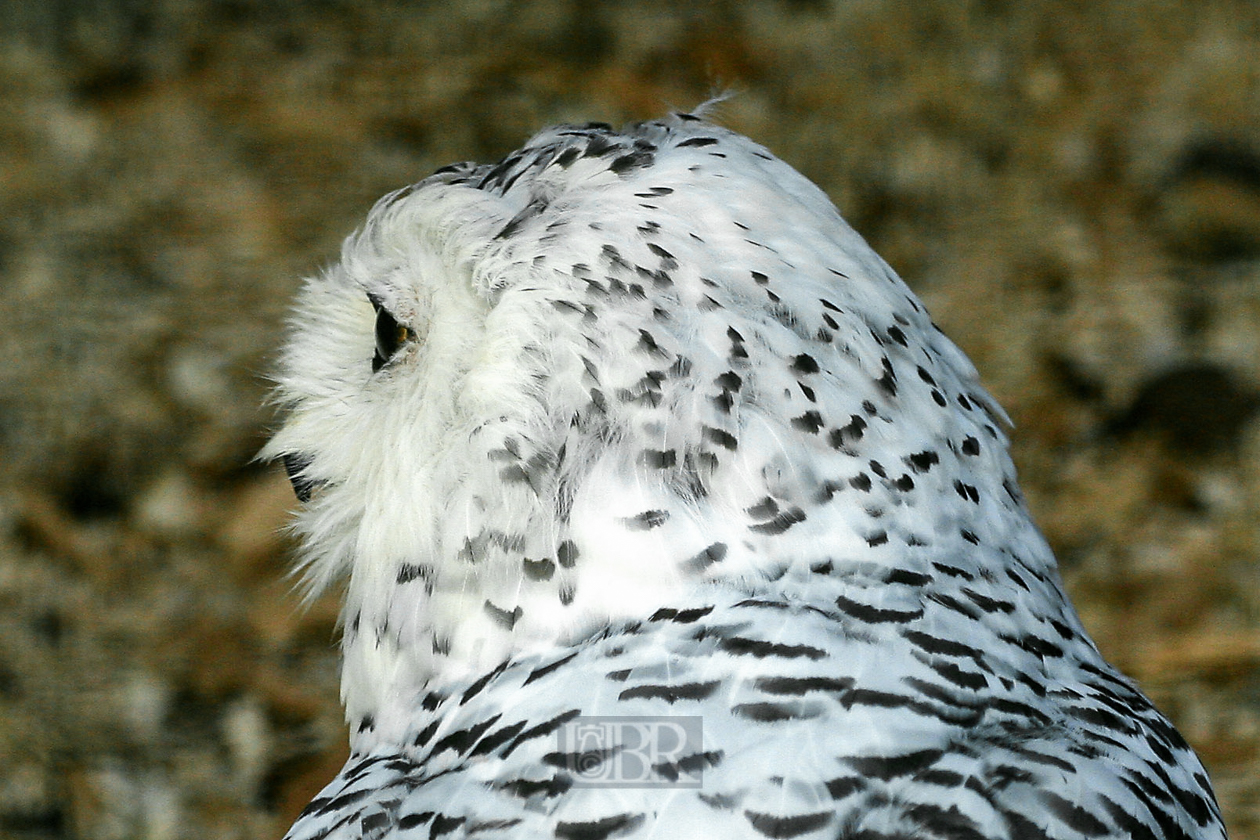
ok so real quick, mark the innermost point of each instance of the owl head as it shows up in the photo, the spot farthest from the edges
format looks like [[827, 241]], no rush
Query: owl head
[[540, 396]]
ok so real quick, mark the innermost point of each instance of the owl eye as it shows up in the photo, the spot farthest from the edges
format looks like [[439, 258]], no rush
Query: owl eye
[[390, 336]]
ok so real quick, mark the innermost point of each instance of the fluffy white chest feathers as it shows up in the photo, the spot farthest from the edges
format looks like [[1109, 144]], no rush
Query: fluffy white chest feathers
[[622, 377]]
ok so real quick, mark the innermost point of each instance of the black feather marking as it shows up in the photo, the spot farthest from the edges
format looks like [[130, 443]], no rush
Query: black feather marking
[[645, 521], [567, 554], [463, 739], [443, 824], [810, 422], [408, 572], [660, 459], [529, 788], [764, 509], [699, 562], [875, 615], [781, 828], [761, 649], [963, 679], [847, 434], [784, 520], [923, 461], [475, 689], [631, 161], [967, 492], [797, 686], [774, 712], [544, 670], [805, 363], [989, 605], [615, 826], [721, 438], [1073, 816], [542, 569], [598, 146], [670, 693], [295, 466], [542, 730], [410, 821], [496, 739], [841, 787], [886, 768], [680, 616], [943, 647], [888, 381]]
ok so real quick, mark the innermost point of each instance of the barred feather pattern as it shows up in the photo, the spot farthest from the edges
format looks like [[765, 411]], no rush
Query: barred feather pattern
[[633, 424]]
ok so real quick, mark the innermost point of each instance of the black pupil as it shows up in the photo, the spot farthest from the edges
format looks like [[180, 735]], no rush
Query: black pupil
[[389, 337]]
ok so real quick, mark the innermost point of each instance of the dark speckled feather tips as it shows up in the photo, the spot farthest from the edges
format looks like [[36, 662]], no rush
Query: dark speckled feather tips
[[666, 511]]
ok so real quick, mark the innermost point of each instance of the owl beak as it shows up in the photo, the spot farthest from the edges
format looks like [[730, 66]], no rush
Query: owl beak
[[295, 464]]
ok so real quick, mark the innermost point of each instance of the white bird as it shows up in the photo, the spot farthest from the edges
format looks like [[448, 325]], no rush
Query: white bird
[[666, 511]]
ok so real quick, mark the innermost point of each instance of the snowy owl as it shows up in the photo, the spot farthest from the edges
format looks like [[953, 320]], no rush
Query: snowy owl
[[666, 511]]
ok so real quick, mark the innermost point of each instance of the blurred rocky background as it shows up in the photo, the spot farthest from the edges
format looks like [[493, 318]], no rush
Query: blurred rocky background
[[1073, 187]]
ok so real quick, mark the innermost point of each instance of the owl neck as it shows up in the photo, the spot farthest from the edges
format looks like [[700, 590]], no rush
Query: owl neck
[[548, 546]]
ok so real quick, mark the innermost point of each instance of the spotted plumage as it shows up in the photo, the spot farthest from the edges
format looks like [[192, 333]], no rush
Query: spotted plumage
[[631, 425]]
